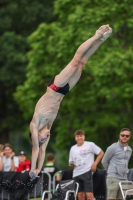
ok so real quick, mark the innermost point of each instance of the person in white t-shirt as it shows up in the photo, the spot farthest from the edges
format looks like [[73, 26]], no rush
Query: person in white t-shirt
[[8, 160], [81, 157]]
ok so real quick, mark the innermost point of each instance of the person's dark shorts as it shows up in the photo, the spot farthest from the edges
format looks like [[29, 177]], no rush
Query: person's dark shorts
[[85, 182]]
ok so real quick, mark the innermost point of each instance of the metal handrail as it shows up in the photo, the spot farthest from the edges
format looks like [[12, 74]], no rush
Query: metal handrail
[[54, 179], [49, 181]]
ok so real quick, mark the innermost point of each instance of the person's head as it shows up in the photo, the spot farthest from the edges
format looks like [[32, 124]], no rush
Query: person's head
[[7, 149], [50, 157], [43, 135], [21, 156], [1, 148], [79, 137], [124, 136]]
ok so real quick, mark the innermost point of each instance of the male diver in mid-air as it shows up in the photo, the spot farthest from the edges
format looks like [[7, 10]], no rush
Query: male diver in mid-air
[[48, 105]]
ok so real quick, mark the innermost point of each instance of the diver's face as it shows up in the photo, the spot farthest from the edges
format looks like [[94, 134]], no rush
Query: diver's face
[[43, 135]]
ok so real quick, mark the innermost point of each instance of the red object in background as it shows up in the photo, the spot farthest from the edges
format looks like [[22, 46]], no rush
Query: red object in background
[[24, 166]]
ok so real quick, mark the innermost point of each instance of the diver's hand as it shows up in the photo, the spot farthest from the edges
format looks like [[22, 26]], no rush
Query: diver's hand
[[34, 173]]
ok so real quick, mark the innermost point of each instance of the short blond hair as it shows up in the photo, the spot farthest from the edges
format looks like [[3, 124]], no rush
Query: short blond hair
[[125, 129], [79, 132]]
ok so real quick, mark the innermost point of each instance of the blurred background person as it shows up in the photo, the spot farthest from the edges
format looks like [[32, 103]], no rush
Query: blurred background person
[[24, 163], [115, 161], [84, 157], [50, 166], [8, 160]]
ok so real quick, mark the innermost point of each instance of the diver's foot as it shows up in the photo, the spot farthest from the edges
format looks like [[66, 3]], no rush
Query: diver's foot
[[99, 33], [106, 34]]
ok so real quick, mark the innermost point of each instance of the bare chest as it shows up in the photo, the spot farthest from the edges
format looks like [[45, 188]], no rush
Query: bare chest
[[46, 111]]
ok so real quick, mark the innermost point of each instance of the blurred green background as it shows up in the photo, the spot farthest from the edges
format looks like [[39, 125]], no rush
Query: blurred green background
[[38, 38]]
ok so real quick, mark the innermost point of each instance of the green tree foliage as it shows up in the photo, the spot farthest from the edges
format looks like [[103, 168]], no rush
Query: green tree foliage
[[102, 101], [12, 62], [18, 19]]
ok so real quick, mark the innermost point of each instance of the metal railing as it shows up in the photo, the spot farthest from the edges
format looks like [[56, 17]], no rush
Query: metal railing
[[54, 180], [49, 182]]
